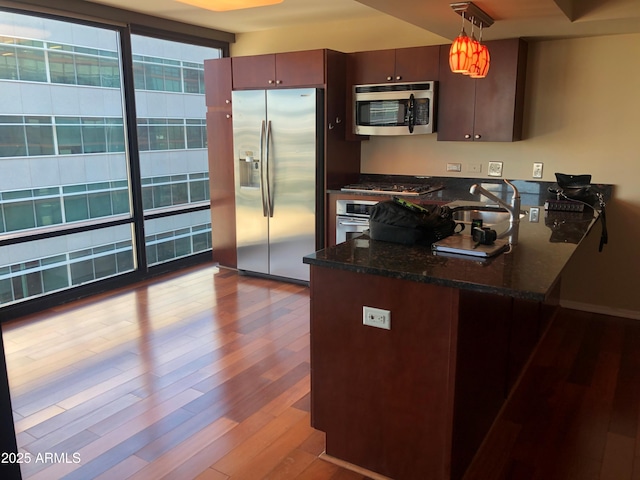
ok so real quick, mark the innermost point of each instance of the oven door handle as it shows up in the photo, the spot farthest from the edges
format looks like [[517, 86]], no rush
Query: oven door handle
[[353, 223]]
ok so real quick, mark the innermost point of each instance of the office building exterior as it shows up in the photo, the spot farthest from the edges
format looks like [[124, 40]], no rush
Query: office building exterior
[[70, 173]]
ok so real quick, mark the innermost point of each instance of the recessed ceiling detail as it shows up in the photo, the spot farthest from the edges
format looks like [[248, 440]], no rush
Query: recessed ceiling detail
[[228, 5], [530, 19]]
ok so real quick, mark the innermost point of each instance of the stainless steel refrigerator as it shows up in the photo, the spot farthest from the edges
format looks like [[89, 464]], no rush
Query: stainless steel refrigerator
[[277, 138]]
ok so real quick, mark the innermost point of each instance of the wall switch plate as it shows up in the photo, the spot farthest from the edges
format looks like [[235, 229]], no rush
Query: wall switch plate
[[454, 167], [534, 214], [495, 169], [376, 317], [537, 170], [475, 168]]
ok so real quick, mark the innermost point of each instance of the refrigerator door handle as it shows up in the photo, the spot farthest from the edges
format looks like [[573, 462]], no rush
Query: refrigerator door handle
[[269, 193], [262, 169]]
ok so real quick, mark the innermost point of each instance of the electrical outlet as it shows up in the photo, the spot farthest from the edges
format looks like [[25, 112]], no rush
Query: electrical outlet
[[376, 317], [454, 167], [537, 170], [495, 169]]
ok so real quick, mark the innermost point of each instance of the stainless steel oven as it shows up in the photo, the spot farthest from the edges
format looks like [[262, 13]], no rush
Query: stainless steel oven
[[352, 218]]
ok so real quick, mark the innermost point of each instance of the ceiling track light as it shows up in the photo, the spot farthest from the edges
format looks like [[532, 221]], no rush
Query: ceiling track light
[[468, 55]]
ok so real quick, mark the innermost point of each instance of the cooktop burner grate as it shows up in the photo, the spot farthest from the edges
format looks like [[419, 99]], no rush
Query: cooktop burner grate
[[399, 189]]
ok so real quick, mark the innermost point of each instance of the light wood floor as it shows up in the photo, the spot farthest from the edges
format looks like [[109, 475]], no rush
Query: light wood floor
[[205, 374]]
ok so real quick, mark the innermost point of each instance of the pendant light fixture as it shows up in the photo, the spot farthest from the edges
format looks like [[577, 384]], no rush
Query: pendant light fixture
[[460, 52], [474, 48], [468, 55], [480, 59]]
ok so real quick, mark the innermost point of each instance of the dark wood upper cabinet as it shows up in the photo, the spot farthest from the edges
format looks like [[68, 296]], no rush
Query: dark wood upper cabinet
[[292, 69], [217, 77], [342, 158], [399, 65], [485, 109]]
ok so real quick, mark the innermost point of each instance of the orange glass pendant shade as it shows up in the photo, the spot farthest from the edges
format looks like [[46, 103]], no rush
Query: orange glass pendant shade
[[480, 63], [460, 53], [474, 50]]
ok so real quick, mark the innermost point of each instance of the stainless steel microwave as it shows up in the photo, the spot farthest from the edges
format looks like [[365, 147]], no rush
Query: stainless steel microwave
[[394, 108]]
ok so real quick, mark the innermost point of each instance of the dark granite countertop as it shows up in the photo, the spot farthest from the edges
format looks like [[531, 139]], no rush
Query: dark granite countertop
[[529, 271]]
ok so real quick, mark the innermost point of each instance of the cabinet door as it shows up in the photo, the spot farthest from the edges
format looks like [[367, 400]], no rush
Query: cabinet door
[[372, 67], [221, 187], [342, 157], [499, 98], [300, 69], [254, 71], [456, 102], [417, 64], [486, 109], [217, 81]]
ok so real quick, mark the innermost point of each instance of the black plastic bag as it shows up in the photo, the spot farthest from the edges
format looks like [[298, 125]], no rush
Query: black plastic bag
[[390, 221]]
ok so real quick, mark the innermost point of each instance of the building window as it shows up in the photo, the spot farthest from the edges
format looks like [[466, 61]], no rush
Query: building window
[[169, 75], [34, 135], [171, 133], [64, 154], [166, 245], [173, 84], [21, 278]]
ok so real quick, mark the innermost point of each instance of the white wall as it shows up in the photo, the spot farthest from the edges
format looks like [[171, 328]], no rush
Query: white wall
[[581, 116]]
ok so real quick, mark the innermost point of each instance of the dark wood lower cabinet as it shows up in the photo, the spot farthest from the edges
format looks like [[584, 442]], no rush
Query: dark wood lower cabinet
[[415, 401], [222, 188]]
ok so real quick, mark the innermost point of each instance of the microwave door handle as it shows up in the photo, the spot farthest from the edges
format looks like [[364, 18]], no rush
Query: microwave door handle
[[412, 118], [262, 169]]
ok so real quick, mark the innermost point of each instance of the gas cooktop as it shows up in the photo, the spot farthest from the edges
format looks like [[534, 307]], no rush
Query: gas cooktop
[[414, 189]]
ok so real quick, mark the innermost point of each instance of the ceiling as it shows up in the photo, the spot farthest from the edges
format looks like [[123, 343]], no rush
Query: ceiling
[[532, 19]]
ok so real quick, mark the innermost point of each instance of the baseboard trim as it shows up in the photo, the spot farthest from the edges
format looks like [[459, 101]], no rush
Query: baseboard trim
[[352, 467], [587, 307]]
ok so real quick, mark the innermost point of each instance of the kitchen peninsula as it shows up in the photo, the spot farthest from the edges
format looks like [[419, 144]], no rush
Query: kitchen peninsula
[[415, 401]]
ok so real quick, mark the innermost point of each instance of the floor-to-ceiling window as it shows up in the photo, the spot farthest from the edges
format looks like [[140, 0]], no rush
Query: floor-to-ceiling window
[[171, 128], [68, 182]]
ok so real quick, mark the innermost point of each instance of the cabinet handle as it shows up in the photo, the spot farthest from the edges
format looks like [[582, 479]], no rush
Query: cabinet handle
[[338, 120], [389, 78], [467, 136], [227, 101], [270, 82], [399, 77], [331, 126], [228, 115], [278, 82], [477, 136]]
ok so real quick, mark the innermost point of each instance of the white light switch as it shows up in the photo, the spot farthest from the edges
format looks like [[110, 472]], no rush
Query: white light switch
[[537, 170]]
